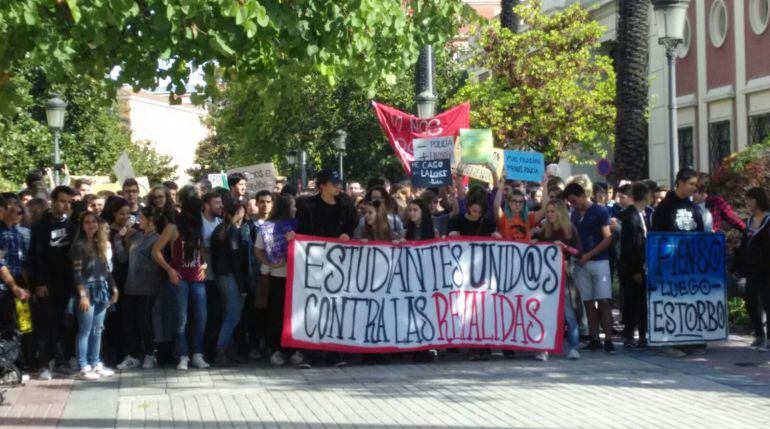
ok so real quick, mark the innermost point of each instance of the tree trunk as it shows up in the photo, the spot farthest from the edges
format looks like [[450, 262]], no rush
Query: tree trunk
[[631, 63], [508, 19]]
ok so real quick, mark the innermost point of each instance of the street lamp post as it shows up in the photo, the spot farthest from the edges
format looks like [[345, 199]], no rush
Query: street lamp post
[[340, 141], [670, 16], [291, 159], [55, 108], [303, 166]]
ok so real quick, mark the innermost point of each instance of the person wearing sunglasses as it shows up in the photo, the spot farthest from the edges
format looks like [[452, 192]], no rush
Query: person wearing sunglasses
[[513, 218]]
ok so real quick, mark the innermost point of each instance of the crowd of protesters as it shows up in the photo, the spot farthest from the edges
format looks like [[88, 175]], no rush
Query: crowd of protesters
[[183, 277]]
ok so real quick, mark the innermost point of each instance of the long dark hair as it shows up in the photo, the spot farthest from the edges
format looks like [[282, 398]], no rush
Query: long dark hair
[[390, 203], [111, 206], [168, 211], [231, 208], [281, 208], [760, 196], [426, 225], [190, 226]]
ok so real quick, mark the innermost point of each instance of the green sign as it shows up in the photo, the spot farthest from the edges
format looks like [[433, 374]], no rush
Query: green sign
[[476, 146]]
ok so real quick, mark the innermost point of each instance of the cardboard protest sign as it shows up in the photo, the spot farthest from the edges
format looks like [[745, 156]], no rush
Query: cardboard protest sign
[[428, 149], [274, 237], [465, 292], [476, 145], [403, 128], [218, 180], [524, 166], [686, 291], [258, 177], [123, 169], [481, 172], [427, 174]]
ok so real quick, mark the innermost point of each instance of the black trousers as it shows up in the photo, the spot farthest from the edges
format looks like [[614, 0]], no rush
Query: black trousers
[[137, 324], [275, 311], [758, 300], [213, 319], [53, 328], [634, 307]]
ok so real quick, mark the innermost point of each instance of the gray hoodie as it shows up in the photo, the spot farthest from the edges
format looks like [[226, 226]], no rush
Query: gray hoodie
[[145, 277]]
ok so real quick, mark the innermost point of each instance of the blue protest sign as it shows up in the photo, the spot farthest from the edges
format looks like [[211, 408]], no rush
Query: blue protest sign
[[524, 166], [686, 293], [426, 174], [274, 237]]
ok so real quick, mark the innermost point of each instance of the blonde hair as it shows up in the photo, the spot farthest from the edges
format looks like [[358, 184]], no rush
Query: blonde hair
[[584, 181], [562, 221], [380, 231], [100, 243]]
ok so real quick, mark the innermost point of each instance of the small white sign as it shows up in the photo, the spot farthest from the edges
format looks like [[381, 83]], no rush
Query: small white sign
[[123, 169]]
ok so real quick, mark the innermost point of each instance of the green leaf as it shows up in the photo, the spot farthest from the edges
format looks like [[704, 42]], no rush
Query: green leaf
[[74, 10]]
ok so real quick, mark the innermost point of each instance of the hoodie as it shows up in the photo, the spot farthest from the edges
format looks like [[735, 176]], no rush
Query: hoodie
[[675, 214], [49, 261]]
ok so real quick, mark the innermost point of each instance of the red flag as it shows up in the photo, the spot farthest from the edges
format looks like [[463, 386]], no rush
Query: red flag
[[401, 128]]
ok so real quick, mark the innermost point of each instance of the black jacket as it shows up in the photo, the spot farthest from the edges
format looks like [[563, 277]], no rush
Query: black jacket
[[675, 214], [49, 261], [311, 218], [632, 243], [752, 258], [227, 255]]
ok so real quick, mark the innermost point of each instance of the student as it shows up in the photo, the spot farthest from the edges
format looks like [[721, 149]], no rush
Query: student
[[237, 184], [284, 210], [118, 215], [83, 187], [12, 257], [212, 217], [186, 273], [514, 220], [162, 202], [395, 221], [376, 226], [96, 290], [752, 261], [676, 212], [131, 194], [143, 286], [231, 271], [633, 239], [592, 270], [558, 229]]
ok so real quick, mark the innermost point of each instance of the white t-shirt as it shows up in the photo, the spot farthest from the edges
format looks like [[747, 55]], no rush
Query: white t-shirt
[[266, 269]]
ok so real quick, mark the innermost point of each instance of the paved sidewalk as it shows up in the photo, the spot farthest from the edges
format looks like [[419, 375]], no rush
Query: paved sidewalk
[[635, 390]]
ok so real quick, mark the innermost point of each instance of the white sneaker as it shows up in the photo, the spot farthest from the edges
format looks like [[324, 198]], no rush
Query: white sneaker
[[45, 374], [198, 361], [87, 373], [103, 371], [296, 358], [277, 359], [573, 354], [183, 362], [150, 362], [129, 363], [542, 356]]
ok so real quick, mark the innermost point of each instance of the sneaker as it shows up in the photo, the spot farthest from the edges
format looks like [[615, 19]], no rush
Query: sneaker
[[296, 358], [764, 347], [542, 356], [150, 362], [103, 371], [304, 365], [276, 359], [341, 364], [183, 363], [642, 345], [573, 354], [198, 361], [45, 374], [757, 343], [609, 348], [593, 345], [509, 354], [87, 373], [222, 359], [129, 363]]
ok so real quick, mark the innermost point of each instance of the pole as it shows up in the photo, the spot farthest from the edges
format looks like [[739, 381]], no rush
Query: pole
[[673, 138], [56, 159], [342, 177], [303, 164]]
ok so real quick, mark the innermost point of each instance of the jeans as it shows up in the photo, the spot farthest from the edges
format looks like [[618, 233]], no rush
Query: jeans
[[187, 292], [89, 338], [573, 331], [232, 305]]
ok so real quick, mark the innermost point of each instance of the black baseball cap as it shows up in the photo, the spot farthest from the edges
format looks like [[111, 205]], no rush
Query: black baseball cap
[[328, 175]]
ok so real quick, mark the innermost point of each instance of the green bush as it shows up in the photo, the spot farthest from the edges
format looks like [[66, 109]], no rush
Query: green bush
[[737, 315]]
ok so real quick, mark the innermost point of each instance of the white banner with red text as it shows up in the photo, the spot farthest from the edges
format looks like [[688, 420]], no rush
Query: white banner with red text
[[464, 292]]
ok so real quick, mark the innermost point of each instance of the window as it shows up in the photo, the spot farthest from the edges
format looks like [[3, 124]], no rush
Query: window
[[718, 23], [684, 47], [759, 15], [720, 137], [759, 128], [686, 148]]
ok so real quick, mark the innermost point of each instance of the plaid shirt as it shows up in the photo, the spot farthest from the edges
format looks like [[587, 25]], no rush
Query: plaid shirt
[[720, 210], [12, 251]]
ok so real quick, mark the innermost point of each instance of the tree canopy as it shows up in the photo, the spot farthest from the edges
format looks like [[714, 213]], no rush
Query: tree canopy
[[547, 89]]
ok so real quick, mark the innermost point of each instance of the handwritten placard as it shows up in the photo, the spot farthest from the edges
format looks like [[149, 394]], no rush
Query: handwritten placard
[[218, 180], [481, 172], [686, 287], [427, 174], [476, 145], [258, 177], [524, 166], [429, 149]]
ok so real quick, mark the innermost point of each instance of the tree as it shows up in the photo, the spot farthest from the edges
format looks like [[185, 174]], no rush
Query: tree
[[93, 137], [631, 149], [548, 90], [366, 41], [305, 118]]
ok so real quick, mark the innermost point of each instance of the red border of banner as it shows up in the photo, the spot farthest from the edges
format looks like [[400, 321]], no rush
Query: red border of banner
[[287, 340]]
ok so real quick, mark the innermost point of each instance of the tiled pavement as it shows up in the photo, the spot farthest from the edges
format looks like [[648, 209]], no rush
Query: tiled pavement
[[627, 390]]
